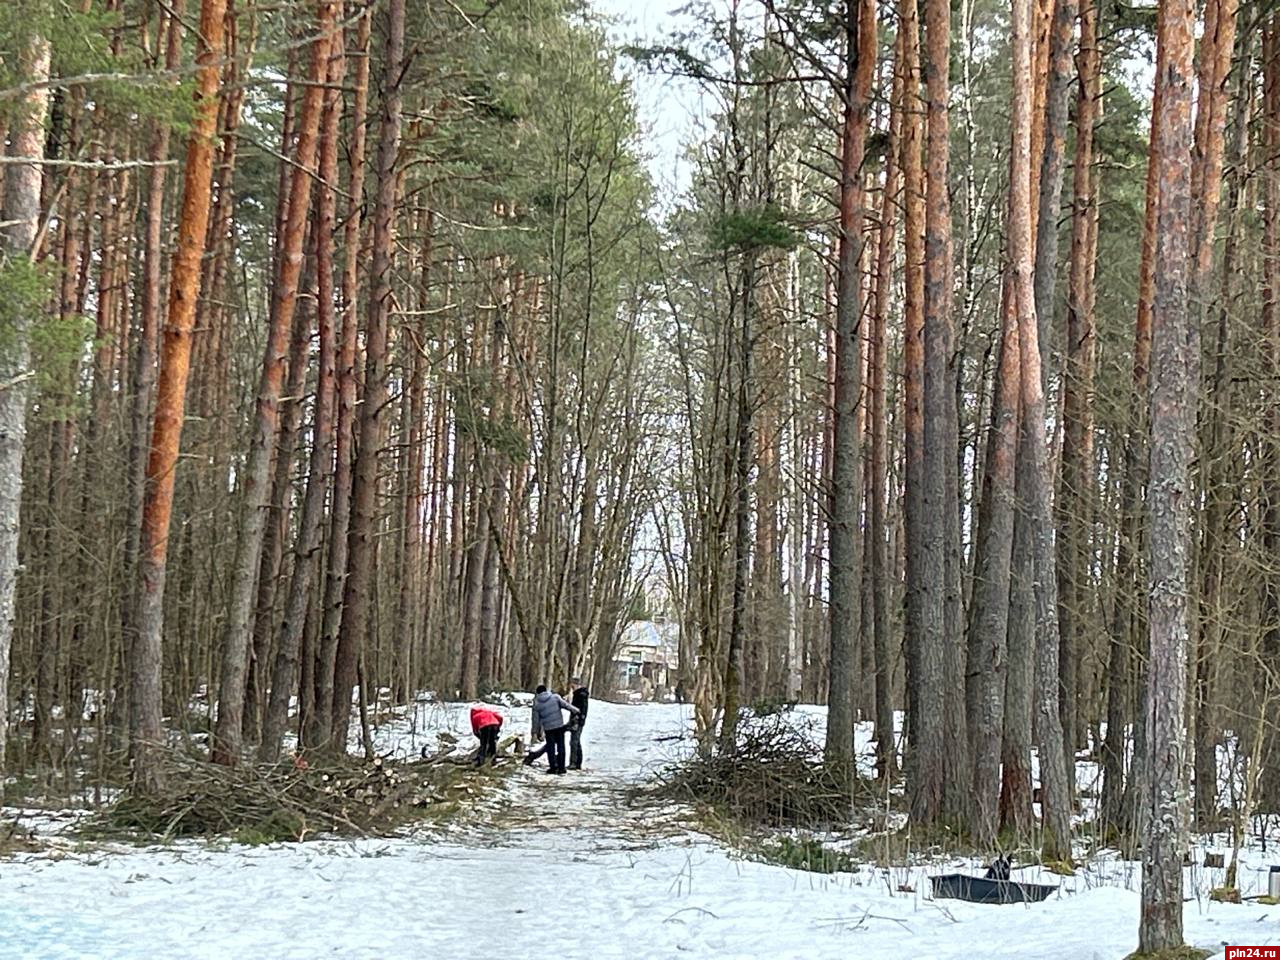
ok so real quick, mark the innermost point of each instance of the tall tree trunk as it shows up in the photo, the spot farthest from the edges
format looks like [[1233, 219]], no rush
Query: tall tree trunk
[[409, 604], [940, 686], [1121, 799], [54, 608], [146, 732], [490, 596], [1075, 494], [988, 654], [143, 374], [356, 594], [318, 731], [742, 420], [276, 527], [253, 488], [21, 215], [1173, 417], [1016, 793], [1206, 179], [796, 494], [878, 536], [1055, 790], [473, 585], [924, 733], [741, 486], [1266, 686], [307, 546], [846, 472]]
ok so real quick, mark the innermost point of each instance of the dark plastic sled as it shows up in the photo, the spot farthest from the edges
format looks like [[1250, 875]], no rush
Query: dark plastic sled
[[958, 886]]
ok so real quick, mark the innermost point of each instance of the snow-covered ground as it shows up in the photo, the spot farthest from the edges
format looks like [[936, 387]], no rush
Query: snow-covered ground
[[557, 864]]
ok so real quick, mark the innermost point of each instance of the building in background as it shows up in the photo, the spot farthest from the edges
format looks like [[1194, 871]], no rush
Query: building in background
[[647, 659]]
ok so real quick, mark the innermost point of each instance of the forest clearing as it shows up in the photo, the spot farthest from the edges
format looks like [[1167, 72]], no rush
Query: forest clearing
[[544, 861], [867, 410]]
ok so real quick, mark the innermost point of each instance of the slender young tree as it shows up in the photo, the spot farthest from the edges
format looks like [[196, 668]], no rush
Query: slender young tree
[[924, 735], [744, 360], [1266, 685], [1075, 491], [878, 534]]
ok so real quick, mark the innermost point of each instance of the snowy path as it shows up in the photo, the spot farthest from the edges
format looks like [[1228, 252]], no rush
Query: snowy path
[[554, 864]]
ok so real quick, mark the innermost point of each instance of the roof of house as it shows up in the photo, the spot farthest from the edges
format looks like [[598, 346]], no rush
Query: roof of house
[[648, 633]]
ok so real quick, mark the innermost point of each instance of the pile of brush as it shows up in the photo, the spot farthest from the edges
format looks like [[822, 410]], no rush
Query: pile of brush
[[773, 778], [290, 800]]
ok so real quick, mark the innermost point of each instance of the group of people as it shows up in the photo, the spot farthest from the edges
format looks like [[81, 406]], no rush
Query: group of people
[[548, 721]]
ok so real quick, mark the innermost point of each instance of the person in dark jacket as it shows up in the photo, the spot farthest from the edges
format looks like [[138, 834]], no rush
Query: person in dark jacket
[[548, 717], [486, 725], [581, 700]]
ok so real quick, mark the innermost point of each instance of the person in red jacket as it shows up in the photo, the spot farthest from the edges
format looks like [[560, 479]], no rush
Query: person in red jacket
[[486, 725]]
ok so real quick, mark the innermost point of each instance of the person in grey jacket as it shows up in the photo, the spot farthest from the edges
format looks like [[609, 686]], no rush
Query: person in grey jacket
[[548, 718]]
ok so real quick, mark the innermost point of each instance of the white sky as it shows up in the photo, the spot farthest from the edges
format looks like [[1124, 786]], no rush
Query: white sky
[[670, 108]]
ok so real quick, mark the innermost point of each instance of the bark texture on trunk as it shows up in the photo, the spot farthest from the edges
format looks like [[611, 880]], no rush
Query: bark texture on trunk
[[307, 546], [21, 215], [318, 731], [1267, 685], [878, 535], [988, 640], [924, 734], [1076, 491], [145, 729], [254, 487], [846, 470], [1120, 794], [1047, 195], [1016, 813], [943, 736], [1055, 790], [1169, 497], [356, 595], [1216, 49], [143, 373], [743, 457]]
